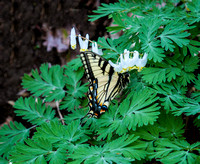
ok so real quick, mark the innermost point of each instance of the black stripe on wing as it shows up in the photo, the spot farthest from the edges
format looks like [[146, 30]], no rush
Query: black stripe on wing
[[89, 59], [86, 64]]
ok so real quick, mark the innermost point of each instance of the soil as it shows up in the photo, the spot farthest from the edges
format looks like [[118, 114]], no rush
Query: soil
[[22, 37]]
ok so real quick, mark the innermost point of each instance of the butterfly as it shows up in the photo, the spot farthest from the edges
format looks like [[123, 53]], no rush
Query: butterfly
[[105, 83]]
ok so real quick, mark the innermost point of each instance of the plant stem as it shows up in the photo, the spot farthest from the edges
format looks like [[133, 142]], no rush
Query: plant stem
[[60, 115]]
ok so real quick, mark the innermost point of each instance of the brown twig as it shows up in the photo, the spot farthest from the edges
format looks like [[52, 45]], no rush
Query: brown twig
[[60, 115]]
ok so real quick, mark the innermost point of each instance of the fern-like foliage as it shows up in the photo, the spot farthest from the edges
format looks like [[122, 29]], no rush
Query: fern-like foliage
[[111, 48], [50, 143], [172, 95], [190, 107], [135, 111], [153, 118], [196, 94], [179, 151], [10, 135], [172, 69], [106, 9], [34, 110], [168, 128], [3, 161], [49, 83], [75, 89], [195, 11], [173, 33], [121, 150], [60, 134], [35, 152], [158, 34]]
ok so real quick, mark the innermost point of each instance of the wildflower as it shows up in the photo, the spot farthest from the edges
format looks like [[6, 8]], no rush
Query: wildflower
[[59, 45], [73, 39], [128, 63], [83, 44], [55, 41], [50, 42], [142, 62], [95, 49]]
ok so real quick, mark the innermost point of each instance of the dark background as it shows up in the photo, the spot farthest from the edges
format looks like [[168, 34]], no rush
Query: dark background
[[22, 36]]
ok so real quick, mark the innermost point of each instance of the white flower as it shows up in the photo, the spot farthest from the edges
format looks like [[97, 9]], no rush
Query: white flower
[[135, 58], [55, 42], [128, 63], [117, 67], [73, 39], [60, 46], [95, 49], [142, 62], [83, 44], [50, 42]]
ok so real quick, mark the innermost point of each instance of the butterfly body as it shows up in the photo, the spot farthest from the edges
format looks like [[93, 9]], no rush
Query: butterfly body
[[96, 109], [105, 83]]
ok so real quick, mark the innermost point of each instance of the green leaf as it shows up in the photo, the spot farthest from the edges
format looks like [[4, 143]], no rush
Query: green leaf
[[10, 135], [34, 110], [76, 115], [196, 94], [58, 156], [152, 135], [147, 36], [160, 75], [49, 83], [172, 73], [154, 75], [117, 20], [57, 133], [174, 129], [172, 95], [186, 78], [190, 63], [142, 109], [174, 32], [70, 103], [137, 110], [73, 77], [111, 49], [177, 152], [122, 150], [149, 135], [106, 9], [52, 143], [78, 90], [75, 89], [111, 122], [190, 107], [194, 15], [3, 161], [32, 152], [194, 47], [75, 64]]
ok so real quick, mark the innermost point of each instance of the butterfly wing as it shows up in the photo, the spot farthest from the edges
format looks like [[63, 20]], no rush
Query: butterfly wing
[[105, 83]]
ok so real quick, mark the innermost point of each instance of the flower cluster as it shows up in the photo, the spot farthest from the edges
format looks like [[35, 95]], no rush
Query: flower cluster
[[128, 63], [83, 43], [128, 60]]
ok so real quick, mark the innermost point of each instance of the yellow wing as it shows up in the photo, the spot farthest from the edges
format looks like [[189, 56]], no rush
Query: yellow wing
[[109, 83]]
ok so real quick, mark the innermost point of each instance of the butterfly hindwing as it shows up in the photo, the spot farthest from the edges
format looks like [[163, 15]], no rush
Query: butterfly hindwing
[[105, 83]]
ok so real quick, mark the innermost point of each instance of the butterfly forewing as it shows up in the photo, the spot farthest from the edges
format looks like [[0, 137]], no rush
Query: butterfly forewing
[[109, 82]]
